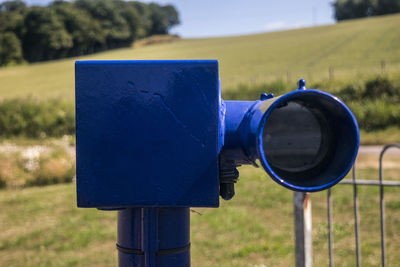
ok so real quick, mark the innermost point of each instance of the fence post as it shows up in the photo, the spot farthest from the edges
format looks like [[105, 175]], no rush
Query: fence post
[[303, 229], [330, 232], [383, 66], [288, 77], [331, 73]]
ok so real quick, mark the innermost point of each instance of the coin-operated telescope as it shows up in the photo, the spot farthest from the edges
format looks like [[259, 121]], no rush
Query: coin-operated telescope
[[155, 138]]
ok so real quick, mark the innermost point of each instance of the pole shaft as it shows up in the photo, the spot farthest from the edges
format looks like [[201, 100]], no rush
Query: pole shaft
[[303, 229], [154, 237]]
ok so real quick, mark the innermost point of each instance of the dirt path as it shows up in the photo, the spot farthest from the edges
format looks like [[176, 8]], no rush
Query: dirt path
[[376, 150]]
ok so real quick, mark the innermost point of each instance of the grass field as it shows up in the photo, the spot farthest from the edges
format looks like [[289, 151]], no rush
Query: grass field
[[41, 226], [354, 49]]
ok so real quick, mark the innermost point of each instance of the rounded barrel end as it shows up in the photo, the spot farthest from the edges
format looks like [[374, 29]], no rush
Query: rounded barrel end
[[307, 140]]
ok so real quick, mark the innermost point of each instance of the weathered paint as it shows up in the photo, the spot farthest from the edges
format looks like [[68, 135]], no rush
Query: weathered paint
[[147, 133]]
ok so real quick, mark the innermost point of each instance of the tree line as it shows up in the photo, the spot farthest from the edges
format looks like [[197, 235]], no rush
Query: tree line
[[74, 28], [352, 9]]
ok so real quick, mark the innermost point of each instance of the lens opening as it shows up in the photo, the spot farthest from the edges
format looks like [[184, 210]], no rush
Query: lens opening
[[298, 140], [331, 154]]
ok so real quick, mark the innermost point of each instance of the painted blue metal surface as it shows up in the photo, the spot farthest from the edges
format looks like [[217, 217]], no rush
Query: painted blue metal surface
[[158, 134], [147, 133], [149, 237], [155, 137], [246, 121]]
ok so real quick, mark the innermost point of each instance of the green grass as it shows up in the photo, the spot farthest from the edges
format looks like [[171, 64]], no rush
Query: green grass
[[41, 226], [354, 49], [382, 137]]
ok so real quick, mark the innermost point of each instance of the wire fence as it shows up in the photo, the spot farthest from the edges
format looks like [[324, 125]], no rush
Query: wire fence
[[303, 217]]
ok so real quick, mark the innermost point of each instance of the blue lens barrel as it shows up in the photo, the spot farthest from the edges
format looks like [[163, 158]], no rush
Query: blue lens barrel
[[306, 140]]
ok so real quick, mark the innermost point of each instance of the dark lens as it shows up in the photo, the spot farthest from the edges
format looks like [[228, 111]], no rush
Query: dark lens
[[295, 138]]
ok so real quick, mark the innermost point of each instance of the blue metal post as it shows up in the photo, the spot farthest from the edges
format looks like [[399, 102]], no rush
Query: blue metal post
[[149, 237]]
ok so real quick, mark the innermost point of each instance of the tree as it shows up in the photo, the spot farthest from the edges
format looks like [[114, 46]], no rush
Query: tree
[[388, 7], [144, 18], [12, 6], [85, 31], [351, 9], [10, 49], [114, 26], [163, 18], [45, 37], [77, 27], [12, 17], [132, 18], [172, 15]]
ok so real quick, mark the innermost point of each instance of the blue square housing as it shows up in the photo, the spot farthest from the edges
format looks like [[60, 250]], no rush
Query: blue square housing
[[147, 133]]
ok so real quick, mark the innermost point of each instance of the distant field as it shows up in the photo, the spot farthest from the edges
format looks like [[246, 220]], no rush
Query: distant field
[[41, 226], [354, 49]]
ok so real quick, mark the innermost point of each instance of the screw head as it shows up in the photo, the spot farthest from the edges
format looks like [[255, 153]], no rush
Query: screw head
[[301, 84], [265, 96]]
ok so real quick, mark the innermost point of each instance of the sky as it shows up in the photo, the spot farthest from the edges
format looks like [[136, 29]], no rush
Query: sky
[[211, 18]]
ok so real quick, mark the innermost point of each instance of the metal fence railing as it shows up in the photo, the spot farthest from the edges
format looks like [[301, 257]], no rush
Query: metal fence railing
[[303, 218]]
